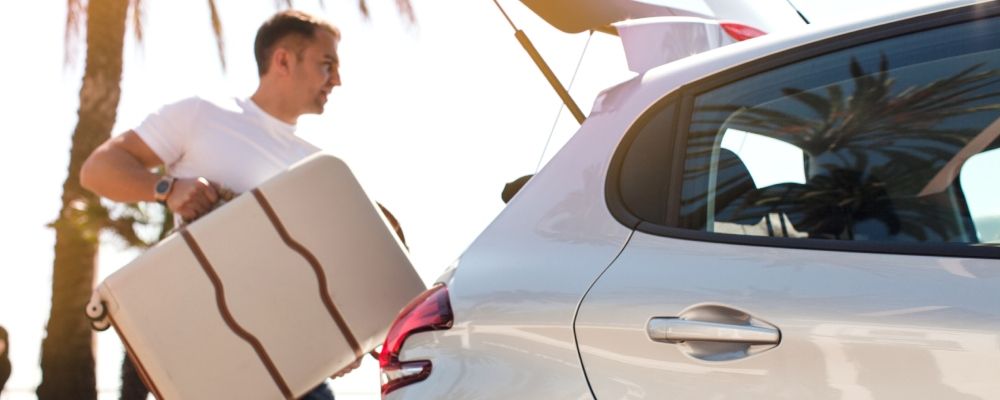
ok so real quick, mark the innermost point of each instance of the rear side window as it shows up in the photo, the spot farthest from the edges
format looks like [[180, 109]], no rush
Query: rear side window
[[889, 141], [645, 177]]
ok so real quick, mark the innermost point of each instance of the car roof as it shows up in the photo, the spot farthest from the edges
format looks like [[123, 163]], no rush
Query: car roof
[[733, 55], [574, 16]]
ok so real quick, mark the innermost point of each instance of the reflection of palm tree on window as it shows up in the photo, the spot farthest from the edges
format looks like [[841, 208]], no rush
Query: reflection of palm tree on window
[[868, 154]]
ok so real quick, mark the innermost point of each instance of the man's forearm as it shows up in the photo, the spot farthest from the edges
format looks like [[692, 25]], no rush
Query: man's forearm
[[113, 173], [120, 170]]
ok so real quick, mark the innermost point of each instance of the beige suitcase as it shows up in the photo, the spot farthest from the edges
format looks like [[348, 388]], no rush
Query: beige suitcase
[[266, 296]]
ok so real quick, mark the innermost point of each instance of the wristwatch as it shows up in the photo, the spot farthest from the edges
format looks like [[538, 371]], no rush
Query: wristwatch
[[163, 188]]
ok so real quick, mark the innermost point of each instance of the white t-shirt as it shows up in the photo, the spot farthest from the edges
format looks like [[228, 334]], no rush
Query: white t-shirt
[[231, 142]]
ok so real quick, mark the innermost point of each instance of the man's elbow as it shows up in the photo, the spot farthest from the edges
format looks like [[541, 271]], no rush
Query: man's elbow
[[88, 172]]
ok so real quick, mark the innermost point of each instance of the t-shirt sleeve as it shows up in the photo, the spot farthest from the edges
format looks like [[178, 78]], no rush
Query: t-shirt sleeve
[[168, 131]]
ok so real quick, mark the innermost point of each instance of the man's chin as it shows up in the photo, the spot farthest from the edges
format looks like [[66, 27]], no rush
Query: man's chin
[[315, 109], [320, 106]]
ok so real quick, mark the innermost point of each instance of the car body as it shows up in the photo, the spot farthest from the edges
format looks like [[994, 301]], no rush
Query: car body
[[802, 215]]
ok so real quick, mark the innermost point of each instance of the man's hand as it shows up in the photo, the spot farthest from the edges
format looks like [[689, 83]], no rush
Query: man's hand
[[192, 198]]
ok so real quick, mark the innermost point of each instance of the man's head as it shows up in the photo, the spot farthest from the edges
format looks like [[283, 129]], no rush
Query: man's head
[[297, 54]]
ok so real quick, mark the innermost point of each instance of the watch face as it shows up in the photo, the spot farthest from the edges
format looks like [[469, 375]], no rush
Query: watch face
[[162, 186]]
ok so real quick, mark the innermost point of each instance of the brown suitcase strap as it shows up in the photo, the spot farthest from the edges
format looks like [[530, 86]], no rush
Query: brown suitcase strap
[[220, 300], [324, 289]]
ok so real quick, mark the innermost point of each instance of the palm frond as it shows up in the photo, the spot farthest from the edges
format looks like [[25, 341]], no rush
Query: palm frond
[[406, 10], [76, 12], [124, 228], [217, 30], [819, 104], [138, 15], [76, 15], [363, 7]]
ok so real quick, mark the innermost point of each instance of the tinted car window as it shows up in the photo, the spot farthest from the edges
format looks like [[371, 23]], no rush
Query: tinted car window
[[861, 144], [645, 176]]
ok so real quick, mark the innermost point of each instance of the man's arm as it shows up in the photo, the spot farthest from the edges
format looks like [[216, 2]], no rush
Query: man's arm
[[120, 170]]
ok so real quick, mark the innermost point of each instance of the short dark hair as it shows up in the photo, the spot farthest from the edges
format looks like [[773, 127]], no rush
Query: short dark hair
[[284, 24]]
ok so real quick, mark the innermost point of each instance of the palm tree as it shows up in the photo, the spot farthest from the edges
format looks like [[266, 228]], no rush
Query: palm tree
[[67, 360]]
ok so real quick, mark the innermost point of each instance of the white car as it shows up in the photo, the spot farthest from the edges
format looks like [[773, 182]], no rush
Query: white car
[[808, 215]]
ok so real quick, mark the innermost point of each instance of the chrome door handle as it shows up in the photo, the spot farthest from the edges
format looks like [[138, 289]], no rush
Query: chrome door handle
[[672, 329], [715, 332]]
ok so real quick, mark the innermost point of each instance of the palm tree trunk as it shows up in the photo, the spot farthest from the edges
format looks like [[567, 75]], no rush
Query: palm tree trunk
[[68, 370], [132, 386]]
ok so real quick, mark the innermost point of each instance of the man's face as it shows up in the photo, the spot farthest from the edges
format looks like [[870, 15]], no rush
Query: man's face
[[316, 73]]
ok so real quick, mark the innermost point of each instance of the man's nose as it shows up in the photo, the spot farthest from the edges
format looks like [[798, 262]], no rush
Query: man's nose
[[334, 79]]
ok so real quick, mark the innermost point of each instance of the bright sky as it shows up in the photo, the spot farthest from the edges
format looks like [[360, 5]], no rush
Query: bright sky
[[433, 121]]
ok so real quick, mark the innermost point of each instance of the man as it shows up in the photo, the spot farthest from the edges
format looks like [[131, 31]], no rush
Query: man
[[210, 148]]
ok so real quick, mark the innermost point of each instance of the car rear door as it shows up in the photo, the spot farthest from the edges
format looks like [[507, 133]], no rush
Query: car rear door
[[823, 223]]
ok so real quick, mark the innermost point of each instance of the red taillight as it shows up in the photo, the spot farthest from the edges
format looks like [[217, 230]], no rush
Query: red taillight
[[741, 32], [428, 312]]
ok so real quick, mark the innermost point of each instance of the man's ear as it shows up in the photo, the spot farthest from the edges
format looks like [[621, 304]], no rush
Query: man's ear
[[281, 61]]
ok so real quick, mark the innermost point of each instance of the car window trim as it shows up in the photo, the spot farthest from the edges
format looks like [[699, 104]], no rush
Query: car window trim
[[875, 247]]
